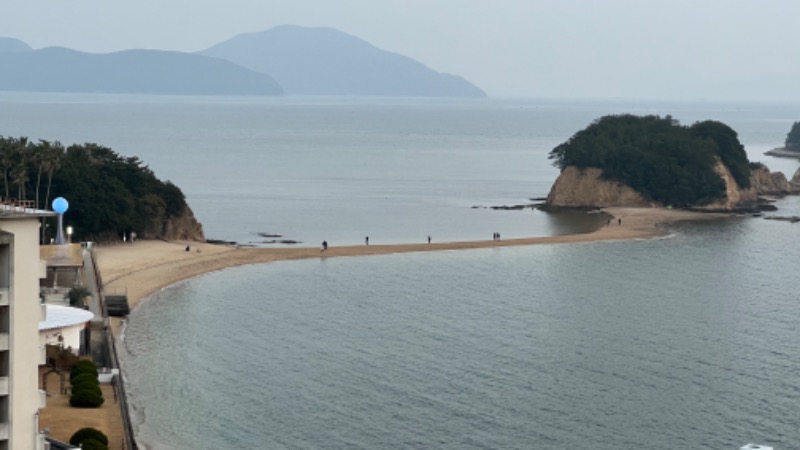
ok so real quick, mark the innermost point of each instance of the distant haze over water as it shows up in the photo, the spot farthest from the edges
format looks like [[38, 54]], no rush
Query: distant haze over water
[[343, 168], [688, 341]]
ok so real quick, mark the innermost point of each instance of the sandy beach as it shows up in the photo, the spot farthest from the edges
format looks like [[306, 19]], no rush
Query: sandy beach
[[144, 267]]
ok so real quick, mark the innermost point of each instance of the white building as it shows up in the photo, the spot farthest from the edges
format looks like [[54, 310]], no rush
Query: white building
[[20, 314], [64, 326]]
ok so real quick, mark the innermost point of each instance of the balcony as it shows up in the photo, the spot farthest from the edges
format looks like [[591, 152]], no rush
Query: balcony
[[3, 385], [4, 431], [3, 296], [3, 341]]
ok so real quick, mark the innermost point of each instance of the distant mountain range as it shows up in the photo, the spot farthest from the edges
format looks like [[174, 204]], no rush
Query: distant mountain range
[[284, 60], [58, 69]]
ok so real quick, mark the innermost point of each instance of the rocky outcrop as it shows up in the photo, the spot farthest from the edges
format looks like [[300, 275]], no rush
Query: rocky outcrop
[[765, 182], [184, 227], [585, 188], [735, 198], [762, 183]]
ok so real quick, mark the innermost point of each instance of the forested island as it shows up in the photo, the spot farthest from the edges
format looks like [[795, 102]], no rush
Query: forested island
[[109, 195], [791, 146], [653, 160]]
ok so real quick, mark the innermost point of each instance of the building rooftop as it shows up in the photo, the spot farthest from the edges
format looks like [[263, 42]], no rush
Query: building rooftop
[[59, 316], [10, 209]]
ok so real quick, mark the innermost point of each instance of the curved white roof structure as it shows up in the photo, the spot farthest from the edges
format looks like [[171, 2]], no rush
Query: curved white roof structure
[[59, 316]]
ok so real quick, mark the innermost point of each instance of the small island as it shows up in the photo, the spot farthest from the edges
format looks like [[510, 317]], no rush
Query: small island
[[791, 146], [649, 161]]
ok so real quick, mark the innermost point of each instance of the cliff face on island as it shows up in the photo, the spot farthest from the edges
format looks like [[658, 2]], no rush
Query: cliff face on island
[[585, 188], [576, 188], [184, 227]]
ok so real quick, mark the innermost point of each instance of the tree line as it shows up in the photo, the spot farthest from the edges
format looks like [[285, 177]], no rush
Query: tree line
[[658, 157], [108, 194]]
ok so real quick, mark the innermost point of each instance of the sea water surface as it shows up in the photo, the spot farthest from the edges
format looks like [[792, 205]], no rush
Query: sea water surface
[[688, 341], [684, 341]]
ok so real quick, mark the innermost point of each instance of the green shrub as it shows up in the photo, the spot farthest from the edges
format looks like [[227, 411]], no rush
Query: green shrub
[[93, 444], [83, 366], [84, 363], [95, 388], [88, 433], [83, 377], [86, 399], [77, 295]]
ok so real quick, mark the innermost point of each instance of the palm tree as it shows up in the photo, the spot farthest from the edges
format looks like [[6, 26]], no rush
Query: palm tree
[[19, 171], [38, 156], [77, 296], [52, 162], [6, 160]]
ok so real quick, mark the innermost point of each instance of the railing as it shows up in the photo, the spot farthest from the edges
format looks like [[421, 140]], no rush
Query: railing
[[129, 442], [117, 290], [62, 291], [12, 205]]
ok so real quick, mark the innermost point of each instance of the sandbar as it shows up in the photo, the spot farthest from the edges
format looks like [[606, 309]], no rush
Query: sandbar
[[144, 267]]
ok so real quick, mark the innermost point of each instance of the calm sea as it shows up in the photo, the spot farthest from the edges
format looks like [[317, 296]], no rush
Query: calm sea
[[688, 341]]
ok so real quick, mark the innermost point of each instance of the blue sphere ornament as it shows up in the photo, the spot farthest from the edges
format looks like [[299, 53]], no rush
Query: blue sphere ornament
[[60, 205]]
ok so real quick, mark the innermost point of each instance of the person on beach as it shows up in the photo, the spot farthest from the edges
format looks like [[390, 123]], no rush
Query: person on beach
[[619, 221], [366, 240], [429, 239], [324, 246]]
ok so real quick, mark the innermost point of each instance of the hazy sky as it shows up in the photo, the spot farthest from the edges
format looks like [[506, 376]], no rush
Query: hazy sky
[[687, 49]]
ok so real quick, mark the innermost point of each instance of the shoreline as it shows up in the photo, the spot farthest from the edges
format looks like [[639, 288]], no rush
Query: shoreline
[[145, 267]]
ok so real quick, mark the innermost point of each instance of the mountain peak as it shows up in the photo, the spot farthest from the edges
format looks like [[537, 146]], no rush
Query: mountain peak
[[326, 61], [13, 45]]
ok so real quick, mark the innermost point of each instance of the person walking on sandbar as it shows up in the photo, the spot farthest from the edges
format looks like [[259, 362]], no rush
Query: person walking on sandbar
[[324, 246], [429, 239], [366, 240]]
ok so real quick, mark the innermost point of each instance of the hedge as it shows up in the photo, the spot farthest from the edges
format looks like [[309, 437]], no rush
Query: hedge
[[86, 399], [88, 433]]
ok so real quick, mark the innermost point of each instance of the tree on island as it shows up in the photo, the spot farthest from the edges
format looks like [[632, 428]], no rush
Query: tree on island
[[793, 138], [659, 158], [109, 194]]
